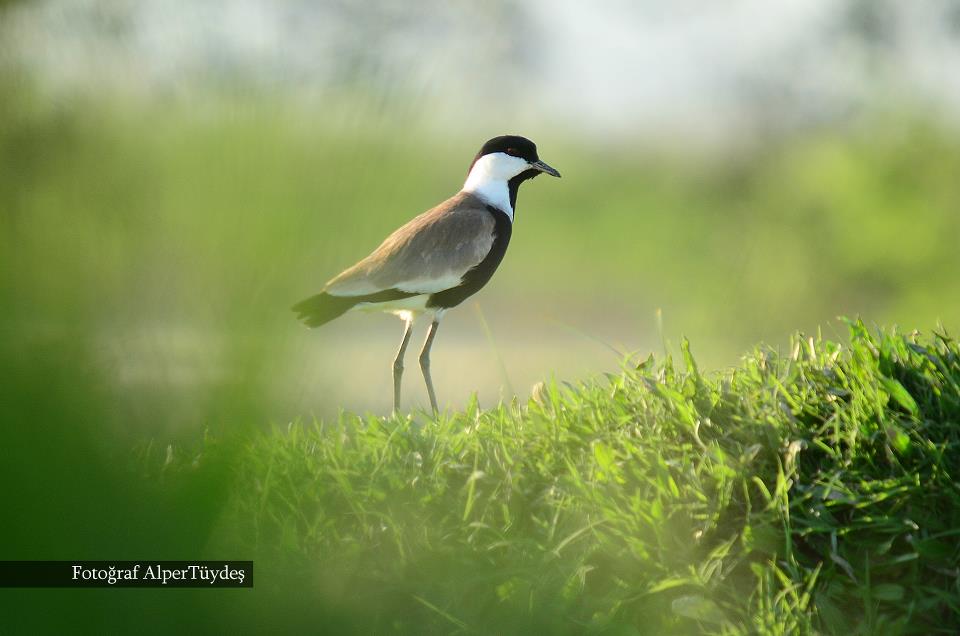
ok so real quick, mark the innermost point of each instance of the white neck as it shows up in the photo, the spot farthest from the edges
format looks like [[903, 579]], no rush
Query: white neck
[[488, 179], [493, 192]]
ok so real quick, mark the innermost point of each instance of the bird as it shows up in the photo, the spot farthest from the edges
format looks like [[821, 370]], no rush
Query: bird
[[438, 259]]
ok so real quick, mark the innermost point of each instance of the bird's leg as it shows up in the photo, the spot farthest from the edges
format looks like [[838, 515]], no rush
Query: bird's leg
[[425, 364], [398, 365]]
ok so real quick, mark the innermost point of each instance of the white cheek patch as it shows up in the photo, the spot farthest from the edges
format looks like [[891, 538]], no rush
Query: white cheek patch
[[488, 179]]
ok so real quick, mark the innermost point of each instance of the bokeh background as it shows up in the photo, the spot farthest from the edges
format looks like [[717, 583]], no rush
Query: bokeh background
[[174, 175]]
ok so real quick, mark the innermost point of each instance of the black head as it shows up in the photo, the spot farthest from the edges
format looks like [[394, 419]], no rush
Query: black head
[[512, 145], [508, 158], [516, 146]]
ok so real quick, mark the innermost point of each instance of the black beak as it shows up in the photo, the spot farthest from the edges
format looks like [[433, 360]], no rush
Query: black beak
[[542, 167]]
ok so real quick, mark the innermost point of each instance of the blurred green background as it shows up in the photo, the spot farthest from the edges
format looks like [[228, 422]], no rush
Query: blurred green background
[[173, 249], [173, 178]]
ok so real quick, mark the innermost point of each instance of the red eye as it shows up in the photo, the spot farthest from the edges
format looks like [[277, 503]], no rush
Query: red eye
[[512, 152]]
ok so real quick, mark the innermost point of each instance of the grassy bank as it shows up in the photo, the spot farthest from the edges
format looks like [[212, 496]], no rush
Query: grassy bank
[[811, 490]]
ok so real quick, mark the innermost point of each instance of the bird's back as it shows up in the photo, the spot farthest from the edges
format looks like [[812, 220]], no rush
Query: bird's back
[[429, 254], [436, 255]]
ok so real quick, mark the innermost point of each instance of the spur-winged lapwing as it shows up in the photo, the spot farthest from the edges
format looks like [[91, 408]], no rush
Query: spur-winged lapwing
[[441, 257]]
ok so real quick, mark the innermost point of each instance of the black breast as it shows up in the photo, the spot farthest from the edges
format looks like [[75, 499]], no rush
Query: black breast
[[478, 276]]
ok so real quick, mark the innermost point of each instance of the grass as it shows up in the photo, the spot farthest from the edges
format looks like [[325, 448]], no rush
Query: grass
[[812, 490]]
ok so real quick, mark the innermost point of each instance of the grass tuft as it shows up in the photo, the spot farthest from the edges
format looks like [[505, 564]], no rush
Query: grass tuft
[[809, 492]]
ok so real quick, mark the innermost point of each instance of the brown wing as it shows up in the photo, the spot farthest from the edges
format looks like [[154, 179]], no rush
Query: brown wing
[[429, 254]]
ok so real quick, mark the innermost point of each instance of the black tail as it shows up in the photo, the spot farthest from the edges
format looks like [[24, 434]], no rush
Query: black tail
[[322, 308]]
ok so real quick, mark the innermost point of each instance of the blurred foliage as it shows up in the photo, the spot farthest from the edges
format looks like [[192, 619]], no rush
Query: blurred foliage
[[219, 218]]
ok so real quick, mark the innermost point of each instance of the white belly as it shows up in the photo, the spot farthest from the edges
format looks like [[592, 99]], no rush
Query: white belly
[[407, 308]]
